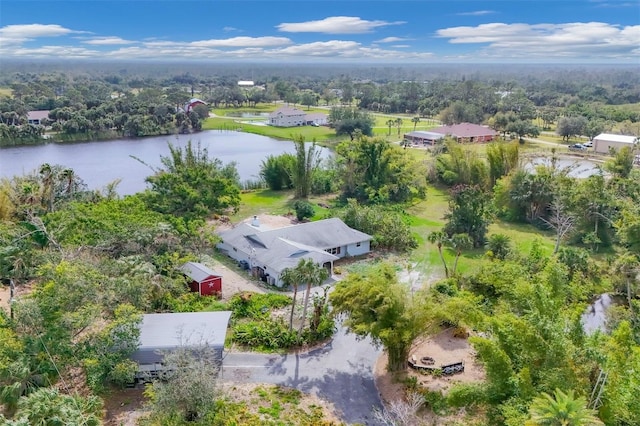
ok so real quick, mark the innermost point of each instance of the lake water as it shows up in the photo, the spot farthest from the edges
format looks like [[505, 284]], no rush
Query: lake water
[[99, 163]]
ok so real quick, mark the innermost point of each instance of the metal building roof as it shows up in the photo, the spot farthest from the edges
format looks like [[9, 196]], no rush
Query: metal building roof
[[173, 330], [197, 271]]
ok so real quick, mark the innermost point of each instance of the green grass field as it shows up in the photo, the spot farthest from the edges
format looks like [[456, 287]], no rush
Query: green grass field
[[309, 133]]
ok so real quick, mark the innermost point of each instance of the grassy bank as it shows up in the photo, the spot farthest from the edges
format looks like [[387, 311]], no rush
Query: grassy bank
[[310, 133]]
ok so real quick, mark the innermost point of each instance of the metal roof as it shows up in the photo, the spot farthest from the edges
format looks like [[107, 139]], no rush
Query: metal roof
[[426, 135], [197, 271], [465, 130], [173, 330], [616, 138]]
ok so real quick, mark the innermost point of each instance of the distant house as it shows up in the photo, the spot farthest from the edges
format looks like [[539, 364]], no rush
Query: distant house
[[37, 117], [246, 83], [605, 142], [193, 103], [268, 252], [166, 332], [421, 137], [202, 279], [467, 132], [287, 117]]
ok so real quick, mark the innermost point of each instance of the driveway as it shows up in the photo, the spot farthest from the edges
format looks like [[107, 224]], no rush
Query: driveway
[[340, 372]]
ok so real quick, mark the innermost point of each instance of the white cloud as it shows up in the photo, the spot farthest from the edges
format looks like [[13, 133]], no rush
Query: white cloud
[[392, 39], [230, 29], [570, 40], [108, 41], [19, 34], [477, 13], [335, 25], [244, 42]]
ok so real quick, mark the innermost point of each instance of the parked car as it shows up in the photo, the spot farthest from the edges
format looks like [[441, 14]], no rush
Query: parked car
[[588, 144], [577, 147]]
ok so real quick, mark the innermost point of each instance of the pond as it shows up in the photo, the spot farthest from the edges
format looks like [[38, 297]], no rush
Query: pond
[[577, 168], [99, 163]]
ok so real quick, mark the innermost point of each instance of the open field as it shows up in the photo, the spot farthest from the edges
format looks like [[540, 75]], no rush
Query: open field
[[5, 91]]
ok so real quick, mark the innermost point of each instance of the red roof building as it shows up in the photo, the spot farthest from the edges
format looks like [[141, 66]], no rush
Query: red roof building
[[203, 280], [467, 132]]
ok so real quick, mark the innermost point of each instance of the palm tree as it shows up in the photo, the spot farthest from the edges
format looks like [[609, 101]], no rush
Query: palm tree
[[459, 242], [415, 121], [499, 245], [312, 274], [390, 123], [291, 277], [563, 409], [47, 175], [68, 175], [438, 238], [398, 122]]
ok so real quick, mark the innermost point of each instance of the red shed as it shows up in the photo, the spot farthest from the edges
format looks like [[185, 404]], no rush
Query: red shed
[[203, 280]]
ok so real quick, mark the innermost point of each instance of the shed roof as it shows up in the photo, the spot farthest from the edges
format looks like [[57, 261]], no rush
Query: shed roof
[[37, 115], [465, 130], [609, 137], [197, 271], [173, 330]]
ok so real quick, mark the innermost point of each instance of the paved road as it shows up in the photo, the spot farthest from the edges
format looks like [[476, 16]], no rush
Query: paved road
[[340, 372]]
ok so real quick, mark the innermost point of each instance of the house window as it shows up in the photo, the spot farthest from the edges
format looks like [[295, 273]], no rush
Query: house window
[[335, 250], [358, 244]]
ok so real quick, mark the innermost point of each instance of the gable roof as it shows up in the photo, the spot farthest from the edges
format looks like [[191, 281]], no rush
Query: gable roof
[[197, 271], [616, 138], [287, 112], [465, 130], [37, 115], [426, 135], [284, 247], [173, 330]]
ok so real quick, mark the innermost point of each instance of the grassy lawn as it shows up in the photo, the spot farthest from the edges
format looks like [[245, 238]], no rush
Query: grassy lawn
[[310, 133], [5, 91], [276, 203]]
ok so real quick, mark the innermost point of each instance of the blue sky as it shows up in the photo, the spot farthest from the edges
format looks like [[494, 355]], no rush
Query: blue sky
[[382, 31]]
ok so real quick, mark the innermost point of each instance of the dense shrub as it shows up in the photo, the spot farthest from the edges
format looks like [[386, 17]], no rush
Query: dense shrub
[[387, 227], [303, 209], [256, 305]]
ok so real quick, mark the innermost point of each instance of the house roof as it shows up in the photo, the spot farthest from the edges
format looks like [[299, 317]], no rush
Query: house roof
[[172, 330], [465, 130], [616, 138], [245, 83], [287, 112], [197, 271], [196, 101], [283, 254], [426, 135], [284, 247], [37, 115], [316, 115]]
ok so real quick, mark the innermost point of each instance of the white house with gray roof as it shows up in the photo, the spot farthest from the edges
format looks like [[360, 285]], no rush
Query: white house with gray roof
[[268, 252]]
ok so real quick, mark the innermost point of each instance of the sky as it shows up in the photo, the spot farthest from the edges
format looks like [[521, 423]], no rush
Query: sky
[[330, 31]]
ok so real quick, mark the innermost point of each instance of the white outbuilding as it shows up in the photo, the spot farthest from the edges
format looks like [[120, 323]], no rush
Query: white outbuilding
[[605, 142]]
